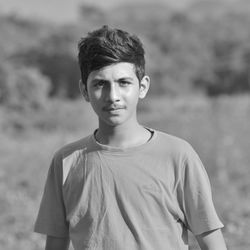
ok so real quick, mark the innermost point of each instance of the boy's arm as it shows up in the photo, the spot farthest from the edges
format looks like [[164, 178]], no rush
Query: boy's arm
[[212, 240], [55, 243]]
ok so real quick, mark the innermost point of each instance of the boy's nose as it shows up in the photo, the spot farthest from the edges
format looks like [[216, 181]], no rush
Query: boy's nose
[[113, 93]]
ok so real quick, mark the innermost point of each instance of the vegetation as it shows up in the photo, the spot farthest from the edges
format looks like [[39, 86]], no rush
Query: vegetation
[[23, 88], [204, 48], [199, 63], [217, 128]]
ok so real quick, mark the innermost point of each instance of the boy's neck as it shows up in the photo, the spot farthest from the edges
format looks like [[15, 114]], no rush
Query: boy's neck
[[122, 136]]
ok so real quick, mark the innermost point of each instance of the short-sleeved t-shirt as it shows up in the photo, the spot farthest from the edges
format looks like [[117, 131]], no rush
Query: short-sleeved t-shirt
[[141, 198]]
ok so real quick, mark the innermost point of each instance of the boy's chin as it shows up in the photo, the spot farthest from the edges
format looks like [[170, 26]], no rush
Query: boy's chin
[[113, 121]]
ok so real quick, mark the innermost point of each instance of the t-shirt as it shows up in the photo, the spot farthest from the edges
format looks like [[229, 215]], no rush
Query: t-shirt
[[140, 198]]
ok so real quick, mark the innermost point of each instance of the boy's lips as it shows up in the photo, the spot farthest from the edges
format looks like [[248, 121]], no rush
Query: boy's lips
[[113, 107]]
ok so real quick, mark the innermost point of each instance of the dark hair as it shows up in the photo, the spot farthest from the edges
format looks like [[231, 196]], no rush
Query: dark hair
[[107, 46]]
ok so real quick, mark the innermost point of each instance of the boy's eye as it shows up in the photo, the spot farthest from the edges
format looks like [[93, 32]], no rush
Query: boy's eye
[[99, 84], [124, 83]]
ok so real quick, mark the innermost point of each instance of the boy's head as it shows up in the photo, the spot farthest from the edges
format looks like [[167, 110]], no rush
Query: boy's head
[[107, 46]]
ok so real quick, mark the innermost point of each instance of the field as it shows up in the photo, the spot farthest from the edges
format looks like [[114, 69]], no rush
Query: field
[[218, 129]]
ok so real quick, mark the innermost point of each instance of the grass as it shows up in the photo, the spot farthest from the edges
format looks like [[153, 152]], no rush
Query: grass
[[218, 129]]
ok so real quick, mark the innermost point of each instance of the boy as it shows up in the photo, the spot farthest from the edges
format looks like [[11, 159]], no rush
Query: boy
[[125, 187]]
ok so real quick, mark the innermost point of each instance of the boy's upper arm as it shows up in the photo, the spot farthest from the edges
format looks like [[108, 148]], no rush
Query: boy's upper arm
[[196, 199], [56, 243], [51, 219], [211, 240]]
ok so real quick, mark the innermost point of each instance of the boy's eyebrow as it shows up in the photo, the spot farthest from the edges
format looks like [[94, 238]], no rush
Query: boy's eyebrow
[[98, 79], [125, 78]]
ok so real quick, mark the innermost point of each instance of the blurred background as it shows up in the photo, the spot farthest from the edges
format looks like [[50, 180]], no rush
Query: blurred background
[[198, 58]]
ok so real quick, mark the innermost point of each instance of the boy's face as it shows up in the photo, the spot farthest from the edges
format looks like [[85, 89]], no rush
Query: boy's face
[[113, 92]]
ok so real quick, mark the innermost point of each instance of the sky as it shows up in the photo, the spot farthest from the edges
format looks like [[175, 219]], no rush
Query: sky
[[62, 11]]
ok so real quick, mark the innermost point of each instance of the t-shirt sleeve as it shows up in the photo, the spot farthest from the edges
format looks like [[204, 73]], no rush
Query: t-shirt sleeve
[[199, 210], [51, 219]]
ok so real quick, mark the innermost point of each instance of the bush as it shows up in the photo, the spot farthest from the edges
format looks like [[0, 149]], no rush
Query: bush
[[3, 83], [59, 66], [23, 89], [228, 72]]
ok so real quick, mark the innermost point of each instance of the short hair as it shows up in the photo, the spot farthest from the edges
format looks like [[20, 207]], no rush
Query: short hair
[[106, 46]]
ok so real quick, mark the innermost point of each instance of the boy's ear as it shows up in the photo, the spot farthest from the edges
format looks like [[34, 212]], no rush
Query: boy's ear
[[144, 86], [83, 90]]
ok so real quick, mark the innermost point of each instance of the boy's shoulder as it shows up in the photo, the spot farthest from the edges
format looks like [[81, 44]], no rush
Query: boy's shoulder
[[75, 146], [178, 149], [175, 148], [173, 143]]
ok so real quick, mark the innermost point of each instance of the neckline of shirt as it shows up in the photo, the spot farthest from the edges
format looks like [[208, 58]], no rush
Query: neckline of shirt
[[111, 149]]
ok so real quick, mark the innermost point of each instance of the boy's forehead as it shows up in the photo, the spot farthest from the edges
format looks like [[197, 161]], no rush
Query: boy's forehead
[[122, 69]]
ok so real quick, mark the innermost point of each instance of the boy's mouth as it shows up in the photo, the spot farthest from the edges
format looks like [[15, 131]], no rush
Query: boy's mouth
[[113, 108]]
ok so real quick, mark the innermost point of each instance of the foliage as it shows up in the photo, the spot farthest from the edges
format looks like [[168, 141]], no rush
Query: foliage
[[3, 83], [205, 47], [17, 34], [23, 88], [55, 57], [218, 129], [202, 48], [60, 68], [227, 69], [91, 14]]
